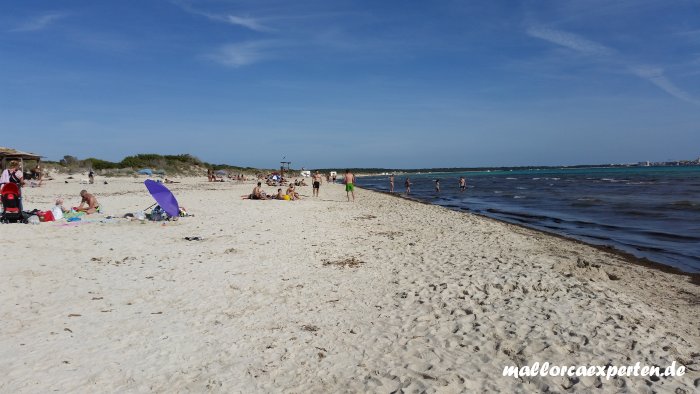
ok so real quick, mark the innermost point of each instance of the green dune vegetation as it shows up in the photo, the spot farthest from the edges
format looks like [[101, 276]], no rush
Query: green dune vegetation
[[184, 164]]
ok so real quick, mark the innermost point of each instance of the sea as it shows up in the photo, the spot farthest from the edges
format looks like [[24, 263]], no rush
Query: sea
[[649, 212]]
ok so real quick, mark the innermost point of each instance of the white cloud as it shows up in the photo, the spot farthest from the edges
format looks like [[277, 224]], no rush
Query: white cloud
[[247, 22], [571, 41], [250, 23], [600, 52], [243, 53], [40, 22], [656, 76], [244, 21]]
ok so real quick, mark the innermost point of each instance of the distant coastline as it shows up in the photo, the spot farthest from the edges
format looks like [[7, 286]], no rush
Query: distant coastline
[[187, 164], [440, 170]]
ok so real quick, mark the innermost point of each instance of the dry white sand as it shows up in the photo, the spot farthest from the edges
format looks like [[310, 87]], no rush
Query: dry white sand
[[434, 300]]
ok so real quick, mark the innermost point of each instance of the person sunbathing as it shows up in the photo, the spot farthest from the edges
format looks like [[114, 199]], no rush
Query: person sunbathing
[[293, 195], [258, 193], [88, 204], [279, 195]]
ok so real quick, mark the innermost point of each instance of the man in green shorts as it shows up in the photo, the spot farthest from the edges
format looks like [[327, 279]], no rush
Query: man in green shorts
[[350, 184]]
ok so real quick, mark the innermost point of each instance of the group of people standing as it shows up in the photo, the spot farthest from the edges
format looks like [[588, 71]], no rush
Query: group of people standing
[[408, 183]]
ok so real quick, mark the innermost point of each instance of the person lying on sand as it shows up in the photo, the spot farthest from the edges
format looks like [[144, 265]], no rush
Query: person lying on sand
[[258, 193], [89, 200], [293, 195]]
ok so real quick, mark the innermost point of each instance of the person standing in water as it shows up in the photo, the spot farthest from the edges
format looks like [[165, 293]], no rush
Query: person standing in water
[[462, 184], [408, 185], [437, 185], [391, 183], [350, 184]]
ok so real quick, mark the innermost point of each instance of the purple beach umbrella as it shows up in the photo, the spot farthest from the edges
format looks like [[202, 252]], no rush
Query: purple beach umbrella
[[163, 197]]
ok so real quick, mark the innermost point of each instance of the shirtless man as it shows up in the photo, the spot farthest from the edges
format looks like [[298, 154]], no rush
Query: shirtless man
[[317, 183], [279, 195], [391, 183], [350, 184], [408, 185], [258, 193], [462, 184], [90, 200]]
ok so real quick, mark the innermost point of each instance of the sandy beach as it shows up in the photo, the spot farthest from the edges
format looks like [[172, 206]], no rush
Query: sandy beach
[[322, 295]]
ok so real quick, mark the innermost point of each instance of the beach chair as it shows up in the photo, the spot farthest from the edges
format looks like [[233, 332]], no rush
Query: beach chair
[[11, 212]]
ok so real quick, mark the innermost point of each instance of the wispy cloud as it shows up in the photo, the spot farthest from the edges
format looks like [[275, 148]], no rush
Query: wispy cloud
[[248, 22], [40, 22], [693, 36], [243, 53], [251, 23], [602, 53], [656, 76], [571, 41]]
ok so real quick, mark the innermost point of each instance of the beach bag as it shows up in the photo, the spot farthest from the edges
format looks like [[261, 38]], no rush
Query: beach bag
[[158, 214], [45, 216]]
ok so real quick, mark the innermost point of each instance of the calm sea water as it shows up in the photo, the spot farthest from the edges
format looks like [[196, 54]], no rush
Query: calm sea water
[[651, 212]]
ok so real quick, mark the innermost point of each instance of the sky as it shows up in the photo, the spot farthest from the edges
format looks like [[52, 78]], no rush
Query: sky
[[333, 83]]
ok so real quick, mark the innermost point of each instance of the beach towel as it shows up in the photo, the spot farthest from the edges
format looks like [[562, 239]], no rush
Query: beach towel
[[73, 214]]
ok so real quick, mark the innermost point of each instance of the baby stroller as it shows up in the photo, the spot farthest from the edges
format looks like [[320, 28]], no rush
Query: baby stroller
[[10, 204]]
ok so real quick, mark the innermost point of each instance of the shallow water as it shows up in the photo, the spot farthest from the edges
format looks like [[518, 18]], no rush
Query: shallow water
[[651, 212]]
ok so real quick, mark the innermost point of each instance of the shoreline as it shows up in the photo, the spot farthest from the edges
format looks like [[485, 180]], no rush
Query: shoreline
[[629, 257]]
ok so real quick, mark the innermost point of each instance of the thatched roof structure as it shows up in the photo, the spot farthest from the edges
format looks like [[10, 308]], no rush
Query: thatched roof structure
[[7, 154]]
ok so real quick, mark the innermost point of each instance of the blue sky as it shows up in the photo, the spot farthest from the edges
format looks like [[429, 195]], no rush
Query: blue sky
[[361, 84]]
